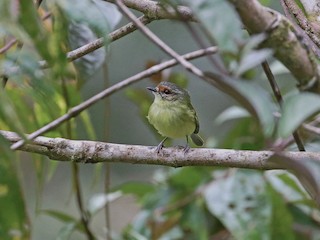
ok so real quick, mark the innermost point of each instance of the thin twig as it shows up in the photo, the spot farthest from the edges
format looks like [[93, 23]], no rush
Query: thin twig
[[8, 45], [277, 94], [83, 214], [85, 219], [155, 39], [38, 3], [311, 128], [73, 112], [4, 80], [220, 67], [100, 42]]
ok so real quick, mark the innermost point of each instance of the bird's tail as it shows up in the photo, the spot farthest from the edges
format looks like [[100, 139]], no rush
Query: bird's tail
[[197, 139]]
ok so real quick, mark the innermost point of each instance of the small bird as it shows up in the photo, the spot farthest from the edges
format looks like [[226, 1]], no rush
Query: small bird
[[173, 115]]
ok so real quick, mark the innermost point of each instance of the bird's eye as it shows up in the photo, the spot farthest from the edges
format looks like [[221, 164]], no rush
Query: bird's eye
[[167, 91]]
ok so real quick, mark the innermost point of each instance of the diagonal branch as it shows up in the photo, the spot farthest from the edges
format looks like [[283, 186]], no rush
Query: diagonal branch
[[152, 11], [277, 93], [73, 112], [156, 10], [156, 40], [94, 152], [282, 39], [8, 45], [100, 42], [309, 28]]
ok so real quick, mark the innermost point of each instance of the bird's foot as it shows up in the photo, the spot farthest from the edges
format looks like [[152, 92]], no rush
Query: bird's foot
[[159, 147], [186, 149]]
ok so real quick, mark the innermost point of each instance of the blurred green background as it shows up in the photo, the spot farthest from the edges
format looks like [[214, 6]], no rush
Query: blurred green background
[[183, 203]]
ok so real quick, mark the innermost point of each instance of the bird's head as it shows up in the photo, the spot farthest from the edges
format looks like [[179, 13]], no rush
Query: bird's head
[[169, 91]]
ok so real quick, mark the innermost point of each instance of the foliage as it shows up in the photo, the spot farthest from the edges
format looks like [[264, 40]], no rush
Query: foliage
[[184, 203]]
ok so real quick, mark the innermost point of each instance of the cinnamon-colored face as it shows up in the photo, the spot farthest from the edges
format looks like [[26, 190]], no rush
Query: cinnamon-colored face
[[164, 89], [169, 91]]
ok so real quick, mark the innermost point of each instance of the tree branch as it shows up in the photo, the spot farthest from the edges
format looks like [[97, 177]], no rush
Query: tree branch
[[73, 112], [156, 10], [277, 93], [8, 45], [94, 152], [310, 41], [100, 42], [309, 27], [113, 36], [288, 49], [157, 41], [151, 10], [311, 6]]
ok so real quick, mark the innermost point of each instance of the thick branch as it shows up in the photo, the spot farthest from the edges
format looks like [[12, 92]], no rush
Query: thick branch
[[311, 6], [288, 49], [94, 152], [310, 28]]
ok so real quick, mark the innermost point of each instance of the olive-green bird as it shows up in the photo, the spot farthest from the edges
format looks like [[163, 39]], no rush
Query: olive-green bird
[[173, 115]]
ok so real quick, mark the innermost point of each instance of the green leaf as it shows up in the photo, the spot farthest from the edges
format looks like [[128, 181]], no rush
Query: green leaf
[[295, 110], [287, 184], [66, 231], [231, 113], [282, 221], [14, 223], [251, 96], [188, 178], [252, 59], [139, 189], [79, 35], [253, 43], [221, 20], [61, 216], [30, 21], [240, 201], [89, 13], [246, 134], [110, 12], [194, 220], [306, 170], [99, 201], [9, 117], [305, 221], [65, 218]]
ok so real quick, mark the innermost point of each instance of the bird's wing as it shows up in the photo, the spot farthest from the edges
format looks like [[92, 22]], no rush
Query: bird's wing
[[196, 130]]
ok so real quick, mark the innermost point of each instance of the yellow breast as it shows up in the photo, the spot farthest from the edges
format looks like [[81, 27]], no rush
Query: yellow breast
[[172, 119]]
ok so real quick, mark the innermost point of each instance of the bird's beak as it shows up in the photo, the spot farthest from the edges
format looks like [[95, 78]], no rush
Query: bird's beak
[[152, 89]]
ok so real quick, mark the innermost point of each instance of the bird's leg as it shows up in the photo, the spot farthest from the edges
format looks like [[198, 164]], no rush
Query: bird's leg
[[186, 148], [160, 146]]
